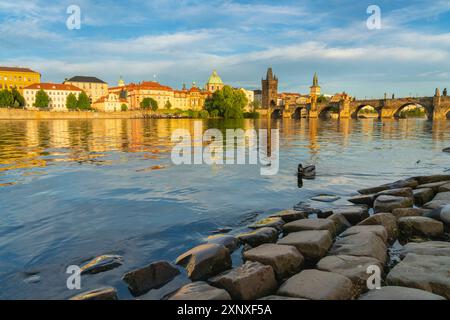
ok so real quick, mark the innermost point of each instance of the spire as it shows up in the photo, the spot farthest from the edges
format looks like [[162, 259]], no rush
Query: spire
[[269, 74], [315, 80]]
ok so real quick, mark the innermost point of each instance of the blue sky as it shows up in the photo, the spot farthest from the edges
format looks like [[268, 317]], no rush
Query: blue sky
[[176, 41]]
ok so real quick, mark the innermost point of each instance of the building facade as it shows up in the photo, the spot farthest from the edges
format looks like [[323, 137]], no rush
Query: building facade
[[19, 78], [57, 92], [250, 99], [269, 90], [214, 83], [110, 103], [94, 87]]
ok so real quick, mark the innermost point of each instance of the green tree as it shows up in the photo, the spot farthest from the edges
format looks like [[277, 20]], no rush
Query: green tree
[[229, 102], [168, 105], [123, 107], [204, 114], [322, 98], [42, 100], [18, 99], [71, 102], [6, 98], [149, 103], [83, 102]]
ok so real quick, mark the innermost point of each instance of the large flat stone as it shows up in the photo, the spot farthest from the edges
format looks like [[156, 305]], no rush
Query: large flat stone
[[399, 293], [313, 245], [429, 273], [408, 212], [101, 263], [444, 187], [318, 285], [259, 236], [226, 240], [430, 248], [290, 215], [419, 229], [435, 204], [353, 214], [250, 281], [363, 244], [340, 222], [200, 291], [434, 185], [387, 203], [205, 261], [285, 260], [442, 196], [432, 179], [271, 222], [310, 224], [153, 276], [107, 293], [378, 230], [363, 199], [400, 192], [386, 220], [354, 268], [408, 183], [422, 196]]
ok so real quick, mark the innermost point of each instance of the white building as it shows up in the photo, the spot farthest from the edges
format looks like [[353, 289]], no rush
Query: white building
[[57, 92]]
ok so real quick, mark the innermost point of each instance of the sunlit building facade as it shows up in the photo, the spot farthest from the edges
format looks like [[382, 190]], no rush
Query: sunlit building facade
[[19, 78]]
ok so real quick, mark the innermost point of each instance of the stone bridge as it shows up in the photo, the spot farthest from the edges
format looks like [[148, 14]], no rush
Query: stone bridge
[[437, 107]]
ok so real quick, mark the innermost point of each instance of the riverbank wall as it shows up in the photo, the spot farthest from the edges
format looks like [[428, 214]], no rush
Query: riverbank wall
[[20, 114]]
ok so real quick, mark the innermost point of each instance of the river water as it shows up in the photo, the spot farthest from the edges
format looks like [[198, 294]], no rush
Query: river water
[[71, 190]]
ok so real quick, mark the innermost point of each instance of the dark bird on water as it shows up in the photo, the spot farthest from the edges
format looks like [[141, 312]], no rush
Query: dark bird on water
[[307, 172]]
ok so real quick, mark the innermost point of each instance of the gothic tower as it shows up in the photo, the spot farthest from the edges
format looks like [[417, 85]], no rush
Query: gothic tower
[[269, 88], [315, 88]]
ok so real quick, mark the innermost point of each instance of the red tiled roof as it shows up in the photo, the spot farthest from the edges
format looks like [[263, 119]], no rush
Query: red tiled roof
[[53, 86], [16, 69]]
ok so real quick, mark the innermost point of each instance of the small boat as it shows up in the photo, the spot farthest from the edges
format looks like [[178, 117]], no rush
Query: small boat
[[307, 172]]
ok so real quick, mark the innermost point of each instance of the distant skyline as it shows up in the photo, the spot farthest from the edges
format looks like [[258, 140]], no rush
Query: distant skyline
[[181, 41]]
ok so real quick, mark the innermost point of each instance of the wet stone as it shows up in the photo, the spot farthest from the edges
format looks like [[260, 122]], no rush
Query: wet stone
[[354, 268], [310, 224], [445, 187], [259, 236], [401, 192], [285, 260], [399, 293], [432, 179], [435, 204], [431, 248], [325, 198], [274, 222], [353, 214], [228, 241], [387, 203], [205, 261], [422, 196], [409, 212], [250, 281], [200, 291], [290, 215], [419, 229], [107, 293], [318, 285], [101, 264], [153, 276], [363, 244], [434, 186], [425, 272], [378, 230], [442, 196], [386, 220], [313, 245], [364, 199], [340, 223]]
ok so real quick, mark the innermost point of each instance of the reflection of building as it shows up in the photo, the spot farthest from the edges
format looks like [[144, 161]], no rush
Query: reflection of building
[[94, 87], [269, 90], [214, 83], [109, 103], [20, 78], [57, 92], [183, 99]]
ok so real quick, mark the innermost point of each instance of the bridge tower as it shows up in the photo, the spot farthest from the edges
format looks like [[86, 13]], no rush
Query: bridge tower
[[269, 88], [314, 94], [344, 106]]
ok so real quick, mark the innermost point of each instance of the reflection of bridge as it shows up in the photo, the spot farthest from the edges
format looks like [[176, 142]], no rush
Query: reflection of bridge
[[437, 107]]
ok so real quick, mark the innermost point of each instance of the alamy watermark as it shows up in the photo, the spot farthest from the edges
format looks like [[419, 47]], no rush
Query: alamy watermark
[[374, 280], [73, 21], [241, 147], [73, 282], [374, 21]]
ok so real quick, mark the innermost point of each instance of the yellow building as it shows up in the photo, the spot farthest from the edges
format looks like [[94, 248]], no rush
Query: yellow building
[[214, 82], [94, 87], [110, 103], [57, 92], [20, 78]]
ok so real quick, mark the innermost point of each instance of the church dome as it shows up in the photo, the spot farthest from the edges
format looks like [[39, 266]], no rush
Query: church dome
[[214, 78]]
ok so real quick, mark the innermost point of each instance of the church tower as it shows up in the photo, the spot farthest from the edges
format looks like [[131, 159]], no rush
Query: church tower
[[315, 88], [269, 88]]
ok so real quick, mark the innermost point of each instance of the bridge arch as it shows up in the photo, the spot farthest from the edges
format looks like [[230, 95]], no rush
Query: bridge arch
[[300, 112], [277, 113], [359, 108], [416, 105], [324, 112]]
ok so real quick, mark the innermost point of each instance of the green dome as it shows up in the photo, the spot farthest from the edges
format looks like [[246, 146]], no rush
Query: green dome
[[214, 78]]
